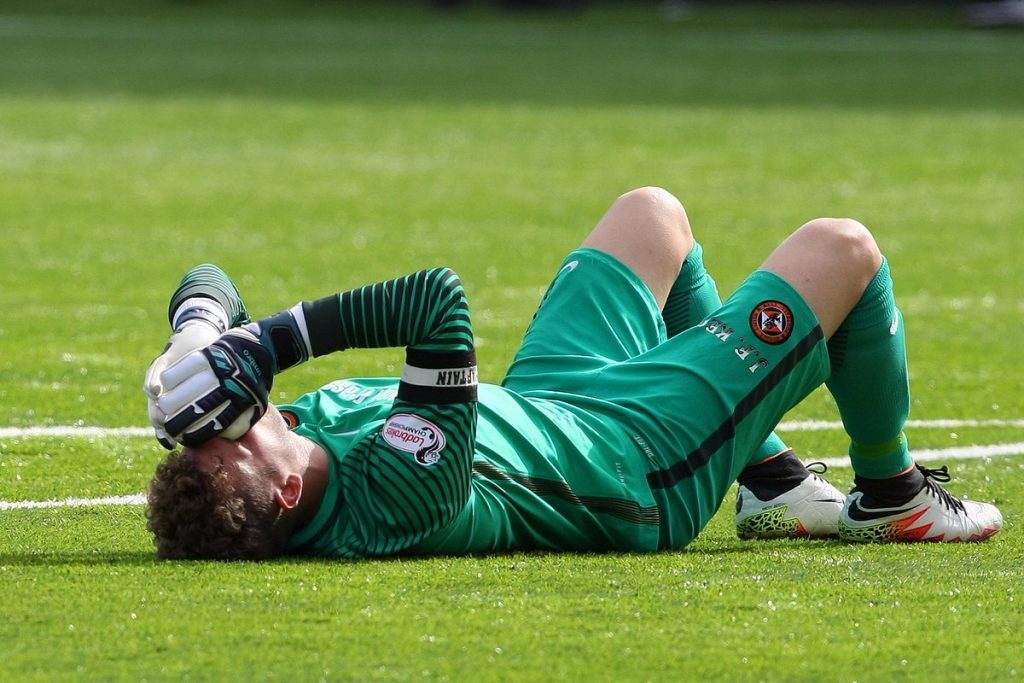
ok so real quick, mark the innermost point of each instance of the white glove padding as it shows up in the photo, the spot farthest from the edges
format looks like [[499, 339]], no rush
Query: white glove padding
[[191, 337]]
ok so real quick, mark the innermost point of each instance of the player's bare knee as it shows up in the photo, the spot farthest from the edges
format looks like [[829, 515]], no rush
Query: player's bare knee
[[860, 244], [656, 212], [647, 230], [848, 242], [652, 200]]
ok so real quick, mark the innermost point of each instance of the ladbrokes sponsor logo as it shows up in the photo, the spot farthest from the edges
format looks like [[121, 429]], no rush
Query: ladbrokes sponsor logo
[[772, 322], [413, 434]]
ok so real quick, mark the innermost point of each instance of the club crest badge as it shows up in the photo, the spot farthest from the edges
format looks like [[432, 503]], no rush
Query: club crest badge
[[772, 322], [290, 419], [413, 434]]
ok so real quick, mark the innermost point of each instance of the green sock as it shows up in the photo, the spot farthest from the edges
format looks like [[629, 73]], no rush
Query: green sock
[[869, 381], [692, 298], [693, 295]]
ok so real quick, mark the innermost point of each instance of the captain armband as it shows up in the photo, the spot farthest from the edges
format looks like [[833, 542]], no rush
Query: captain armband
[[431, 377]]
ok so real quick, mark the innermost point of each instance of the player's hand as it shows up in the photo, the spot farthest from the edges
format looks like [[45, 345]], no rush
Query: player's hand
[[192, 336], [220, 390]]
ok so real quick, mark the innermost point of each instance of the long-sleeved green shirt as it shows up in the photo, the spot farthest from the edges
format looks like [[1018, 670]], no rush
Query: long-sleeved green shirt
[[432, 463]]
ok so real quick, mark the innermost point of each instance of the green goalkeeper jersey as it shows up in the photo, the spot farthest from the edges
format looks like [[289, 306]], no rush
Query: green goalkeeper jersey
[[539, 475], [431, 462], [603, 436]]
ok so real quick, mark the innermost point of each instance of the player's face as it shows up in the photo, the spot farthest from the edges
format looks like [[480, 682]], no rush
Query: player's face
[[259, 453]]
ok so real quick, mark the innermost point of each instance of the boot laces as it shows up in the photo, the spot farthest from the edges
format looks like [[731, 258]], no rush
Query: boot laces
[[933, 480], [816, 468]]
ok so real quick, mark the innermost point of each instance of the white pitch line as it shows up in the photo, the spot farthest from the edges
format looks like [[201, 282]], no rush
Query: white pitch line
[[922, 455], [954, 453], [58, 431], [825, 425], [71, 431], [136, 499]]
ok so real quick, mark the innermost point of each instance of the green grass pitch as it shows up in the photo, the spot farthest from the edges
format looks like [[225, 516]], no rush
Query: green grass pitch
[[313, 146]]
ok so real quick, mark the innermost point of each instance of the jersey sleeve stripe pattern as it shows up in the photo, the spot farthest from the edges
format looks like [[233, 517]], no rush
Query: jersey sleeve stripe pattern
[[426, 310], [207, 280], [392, 502], [399, 486]]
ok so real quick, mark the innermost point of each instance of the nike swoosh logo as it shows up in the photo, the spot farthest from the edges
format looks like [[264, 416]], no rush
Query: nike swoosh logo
[[570, 266], [859, 514]]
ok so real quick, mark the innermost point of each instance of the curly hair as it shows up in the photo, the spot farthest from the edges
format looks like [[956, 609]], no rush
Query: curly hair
[[200, 515]]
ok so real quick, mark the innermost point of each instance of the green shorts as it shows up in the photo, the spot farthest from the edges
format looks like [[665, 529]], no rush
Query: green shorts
[[697, 405]]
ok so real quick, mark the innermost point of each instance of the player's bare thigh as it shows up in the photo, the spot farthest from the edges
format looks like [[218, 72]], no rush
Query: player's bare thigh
[[830, 261], [647, 229]]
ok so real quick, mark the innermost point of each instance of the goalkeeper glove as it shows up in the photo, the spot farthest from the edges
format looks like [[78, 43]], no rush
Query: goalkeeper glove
[[220, 390], [197, 323]]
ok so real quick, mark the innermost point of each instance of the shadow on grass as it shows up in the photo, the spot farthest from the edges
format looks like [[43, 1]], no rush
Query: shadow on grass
[[81, 558], [78, 558]]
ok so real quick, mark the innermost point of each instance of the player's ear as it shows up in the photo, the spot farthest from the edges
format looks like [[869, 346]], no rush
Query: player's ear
[[288, 495]]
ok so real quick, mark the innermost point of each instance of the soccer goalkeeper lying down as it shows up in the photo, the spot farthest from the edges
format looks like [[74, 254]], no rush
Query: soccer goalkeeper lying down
[[636, 400]]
